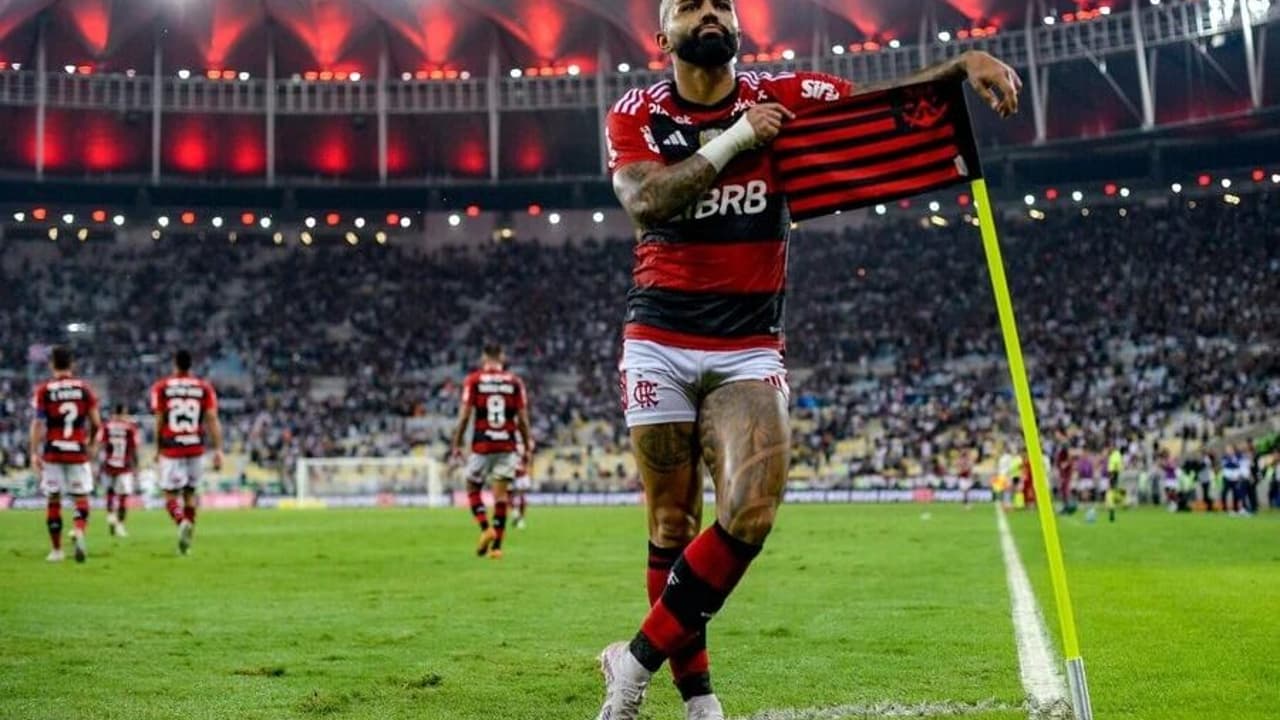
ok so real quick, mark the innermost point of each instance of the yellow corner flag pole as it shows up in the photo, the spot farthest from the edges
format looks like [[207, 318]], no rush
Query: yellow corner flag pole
[[1031, 436]]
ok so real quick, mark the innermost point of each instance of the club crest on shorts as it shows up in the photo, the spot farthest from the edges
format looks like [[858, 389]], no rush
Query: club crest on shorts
[[645, 394]]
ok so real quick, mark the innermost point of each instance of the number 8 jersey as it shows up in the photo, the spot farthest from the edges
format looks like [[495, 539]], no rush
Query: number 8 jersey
[[181, 403], [496, 397], [64, 404]]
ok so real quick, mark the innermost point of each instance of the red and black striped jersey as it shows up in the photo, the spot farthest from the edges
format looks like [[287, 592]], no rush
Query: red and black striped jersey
[[714, 276], [119, 440], [496, 398], [876, 148], [183, 404], [64, 404]]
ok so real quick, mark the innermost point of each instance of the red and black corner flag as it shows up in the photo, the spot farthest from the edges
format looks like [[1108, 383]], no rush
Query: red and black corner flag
[[877, 148]]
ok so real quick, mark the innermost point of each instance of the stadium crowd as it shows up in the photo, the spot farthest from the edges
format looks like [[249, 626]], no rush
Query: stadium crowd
[[1137, 321]]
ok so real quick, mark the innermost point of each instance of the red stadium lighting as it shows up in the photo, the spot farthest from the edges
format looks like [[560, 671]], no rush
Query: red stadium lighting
[[332, 219], [473, 211], [188, 218], [1259, 175], [535, 210], [904, 204], [437, 74], [39, 213], [1204, 180], [1051, 194], [85, 69], [340, 75], [326, 75], [871, 46], [1110, 189], [964, 200], [228, 74], [99, 216], [393, 219], [311, 75], [247, 218], [212, 74]]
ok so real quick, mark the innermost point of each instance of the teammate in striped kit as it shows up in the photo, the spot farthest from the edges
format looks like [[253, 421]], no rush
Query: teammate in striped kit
[[702, 373], [494, 404], [185, 406], [119, 440], [64, 433]]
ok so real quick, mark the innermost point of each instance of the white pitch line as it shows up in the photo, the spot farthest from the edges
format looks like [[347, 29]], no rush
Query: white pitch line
[[1046, 691], [874, 711]]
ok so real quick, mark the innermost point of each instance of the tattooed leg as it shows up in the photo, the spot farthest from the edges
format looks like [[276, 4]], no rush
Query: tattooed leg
[[667, 456], [746, 441]]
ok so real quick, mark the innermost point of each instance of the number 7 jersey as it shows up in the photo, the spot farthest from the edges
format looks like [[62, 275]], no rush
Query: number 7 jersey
[[65, 404], [182, 404], [496, 397]]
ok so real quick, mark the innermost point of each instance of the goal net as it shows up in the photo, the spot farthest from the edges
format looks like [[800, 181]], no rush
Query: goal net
[[370, 482]]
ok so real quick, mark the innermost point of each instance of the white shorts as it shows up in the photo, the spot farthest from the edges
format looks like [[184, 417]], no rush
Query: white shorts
[[73, 479], [498, 467], [180, 473], [122, 484], [662, 384], [524, 482]]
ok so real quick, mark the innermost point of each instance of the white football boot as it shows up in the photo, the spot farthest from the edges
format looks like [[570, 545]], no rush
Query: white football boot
[[625, 683]]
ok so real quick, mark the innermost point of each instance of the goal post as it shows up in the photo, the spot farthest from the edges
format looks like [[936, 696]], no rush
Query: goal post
[[414, 480]]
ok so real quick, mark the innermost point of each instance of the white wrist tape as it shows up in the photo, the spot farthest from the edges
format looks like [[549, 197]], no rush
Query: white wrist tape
[[725, 147]]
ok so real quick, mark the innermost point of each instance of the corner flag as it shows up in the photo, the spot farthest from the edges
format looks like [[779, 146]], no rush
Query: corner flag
[[897, 143]]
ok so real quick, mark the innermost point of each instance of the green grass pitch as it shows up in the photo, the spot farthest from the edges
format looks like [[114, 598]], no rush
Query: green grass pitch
[[387, 614]]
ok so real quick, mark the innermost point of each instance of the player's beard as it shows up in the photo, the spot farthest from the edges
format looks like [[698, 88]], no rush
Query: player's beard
[[708, 51]]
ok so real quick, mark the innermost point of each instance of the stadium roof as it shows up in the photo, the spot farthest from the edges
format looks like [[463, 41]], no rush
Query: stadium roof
[[330, 34]]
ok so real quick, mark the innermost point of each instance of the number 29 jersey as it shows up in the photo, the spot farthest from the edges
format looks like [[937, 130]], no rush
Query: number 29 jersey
[[496, 398], [64, 404], [182, 404]]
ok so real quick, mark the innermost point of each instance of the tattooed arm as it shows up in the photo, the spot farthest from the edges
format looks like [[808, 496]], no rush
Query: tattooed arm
[[653, 193]]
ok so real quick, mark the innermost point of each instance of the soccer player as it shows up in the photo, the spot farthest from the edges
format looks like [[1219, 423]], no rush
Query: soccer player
[[64, 431], [495, 398], [702, 373], [119, 440], [185, 407]]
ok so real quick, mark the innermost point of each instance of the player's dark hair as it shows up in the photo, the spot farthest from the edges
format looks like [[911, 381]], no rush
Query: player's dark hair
[[493, 350], [61, 358], [119, 409], [182, 360]]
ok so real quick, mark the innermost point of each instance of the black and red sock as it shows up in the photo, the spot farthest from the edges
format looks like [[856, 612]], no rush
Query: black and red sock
[[522, 505], [703, 577], [122, 507], [478, 510], [53, 521], [175, 509], [690, 666], [499, 523], [189, 513], [81, 521], [111, 501]]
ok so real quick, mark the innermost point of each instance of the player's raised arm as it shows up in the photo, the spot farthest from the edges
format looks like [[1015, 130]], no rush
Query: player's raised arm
[[996, 82], [652, 192]]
